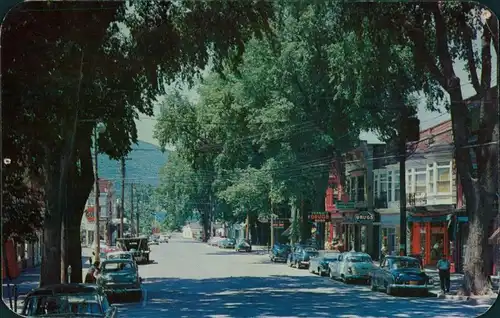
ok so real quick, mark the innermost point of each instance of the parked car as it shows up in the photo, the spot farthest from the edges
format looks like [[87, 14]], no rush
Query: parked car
[[227, 243], [333, 266], [400, 273], [153, 241], [119, 278], [319, 265], [355, 266], [243, 246], [163, 239], [138, 246], [214, 241], [301, 255], [120, 255], [68, 300], [279, 252]]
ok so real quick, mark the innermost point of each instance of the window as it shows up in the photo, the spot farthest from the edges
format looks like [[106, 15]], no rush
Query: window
[[389, 185], [352, 188], [383, 183], [430, 178], [360, 195], [396, 186], [420, 181], [443, 180], [376, 185], [409, 182]]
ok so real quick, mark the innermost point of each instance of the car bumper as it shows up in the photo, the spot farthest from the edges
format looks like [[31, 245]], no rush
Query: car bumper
[[357, 276], [121, 289], [409, 287], [305, 263], [280, 258]]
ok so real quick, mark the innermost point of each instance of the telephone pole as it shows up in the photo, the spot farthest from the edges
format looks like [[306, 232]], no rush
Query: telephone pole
[[137, 215], [131, 206], [123, 197], [403, 121]]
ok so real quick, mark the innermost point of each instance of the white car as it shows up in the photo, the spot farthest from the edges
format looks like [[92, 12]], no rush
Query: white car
[[120, 255], [355, 266], [214, 241]]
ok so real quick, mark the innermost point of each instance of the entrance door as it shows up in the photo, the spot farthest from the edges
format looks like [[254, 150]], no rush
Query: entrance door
[[438, 240]]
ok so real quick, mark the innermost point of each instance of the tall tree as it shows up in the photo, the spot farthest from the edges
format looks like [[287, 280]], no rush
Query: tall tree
[[439, 34], [93, 72]]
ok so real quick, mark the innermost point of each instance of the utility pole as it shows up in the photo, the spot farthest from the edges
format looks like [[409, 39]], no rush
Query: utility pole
[[97, 237], [131, 207], [137, 216], [403, 121], [122, 204], [272, 225]]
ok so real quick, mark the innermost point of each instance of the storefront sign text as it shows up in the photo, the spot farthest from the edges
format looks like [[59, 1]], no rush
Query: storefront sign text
[[277, 224], [319, 216], [349, 205]]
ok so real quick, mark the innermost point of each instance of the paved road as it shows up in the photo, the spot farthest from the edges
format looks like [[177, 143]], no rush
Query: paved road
[[191, 279]]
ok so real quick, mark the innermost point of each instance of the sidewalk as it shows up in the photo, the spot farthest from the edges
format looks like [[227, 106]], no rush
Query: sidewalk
[[30, 278]]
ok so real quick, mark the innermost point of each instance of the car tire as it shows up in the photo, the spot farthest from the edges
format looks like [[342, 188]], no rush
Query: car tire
[[373, 287], [330, 274], [320, 272], [388, 290]]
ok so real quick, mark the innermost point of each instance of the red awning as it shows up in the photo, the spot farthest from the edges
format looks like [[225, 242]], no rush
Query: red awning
[[495, 237]]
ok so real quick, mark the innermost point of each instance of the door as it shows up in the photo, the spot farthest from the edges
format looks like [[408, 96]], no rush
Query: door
[[438, 242]]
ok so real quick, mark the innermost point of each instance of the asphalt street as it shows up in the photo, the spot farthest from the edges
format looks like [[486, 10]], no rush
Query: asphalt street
[[192, 279]]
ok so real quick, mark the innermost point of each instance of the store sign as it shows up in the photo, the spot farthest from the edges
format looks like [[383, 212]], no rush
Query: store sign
[[319, 216], [89, 213], [364, 217], [278, 224], [349, 205]]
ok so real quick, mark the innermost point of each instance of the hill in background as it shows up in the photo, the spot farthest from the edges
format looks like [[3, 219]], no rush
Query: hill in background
[[142, 166]]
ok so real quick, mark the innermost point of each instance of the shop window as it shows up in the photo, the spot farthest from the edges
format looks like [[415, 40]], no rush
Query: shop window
[[396, 186], [389, 185]]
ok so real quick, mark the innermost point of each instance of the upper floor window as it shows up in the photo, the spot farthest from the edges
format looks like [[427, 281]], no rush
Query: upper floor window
[[420, 180], [389, 186], [430, 178], [396, 186], [360, 195], [443, 177], [409, 181]]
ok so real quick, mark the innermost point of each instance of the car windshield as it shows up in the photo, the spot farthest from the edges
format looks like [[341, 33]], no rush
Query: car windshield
[[400, 264], [230, 241], [359, 259], [120, 256], [62, 304], [329, 258], [114, 267]]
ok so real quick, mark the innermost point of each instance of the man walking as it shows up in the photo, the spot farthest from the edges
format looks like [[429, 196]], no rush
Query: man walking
[[443, 266]]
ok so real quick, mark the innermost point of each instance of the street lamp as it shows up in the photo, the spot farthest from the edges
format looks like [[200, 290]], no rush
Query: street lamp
[[100, 128]]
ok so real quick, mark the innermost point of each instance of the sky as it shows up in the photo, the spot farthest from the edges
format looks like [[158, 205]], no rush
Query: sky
[[145, 125]]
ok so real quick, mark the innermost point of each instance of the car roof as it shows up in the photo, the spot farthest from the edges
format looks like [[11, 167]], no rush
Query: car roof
[[404, 258], [116, 260], [58, 289], [119, 252], [356, 254]]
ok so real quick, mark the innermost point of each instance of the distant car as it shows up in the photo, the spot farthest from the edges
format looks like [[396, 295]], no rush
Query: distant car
[[68, 300], [138, 246], [153, 242], [301, 256], [163, 239], [243, 246], [214, 241], [227, 243], [400, 273], [279, 252], [355, 266], [120, 277], [319, 265]]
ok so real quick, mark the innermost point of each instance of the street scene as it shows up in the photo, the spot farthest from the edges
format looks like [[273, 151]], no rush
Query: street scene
[[250, 159]]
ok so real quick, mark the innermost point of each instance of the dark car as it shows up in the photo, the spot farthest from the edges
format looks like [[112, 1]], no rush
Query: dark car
[[227, 243], [68, 300], [243, 245], [301, 255], [400, 273], [320, 265], [119, 278], [279, 252]]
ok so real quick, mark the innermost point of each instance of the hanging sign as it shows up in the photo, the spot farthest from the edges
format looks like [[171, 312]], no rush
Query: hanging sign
[[278, 224], [364, 217]]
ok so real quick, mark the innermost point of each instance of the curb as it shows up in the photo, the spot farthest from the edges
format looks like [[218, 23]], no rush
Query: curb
[[465, 299]]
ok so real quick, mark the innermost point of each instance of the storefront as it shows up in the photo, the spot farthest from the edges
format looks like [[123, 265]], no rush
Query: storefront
[[389, 232], [429, 236]]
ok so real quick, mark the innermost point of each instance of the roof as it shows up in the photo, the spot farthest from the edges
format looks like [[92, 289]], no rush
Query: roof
[[64, 289]]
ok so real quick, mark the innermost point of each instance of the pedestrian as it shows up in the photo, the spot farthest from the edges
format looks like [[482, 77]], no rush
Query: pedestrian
[[383, 253], [443, 266]]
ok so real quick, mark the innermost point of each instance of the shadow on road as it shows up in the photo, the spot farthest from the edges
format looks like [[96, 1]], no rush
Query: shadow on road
[[305, 296]]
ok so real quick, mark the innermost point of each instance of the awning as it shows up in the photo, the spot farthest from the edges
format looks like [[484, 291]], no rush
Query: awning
[[429, 218], [495, 237]]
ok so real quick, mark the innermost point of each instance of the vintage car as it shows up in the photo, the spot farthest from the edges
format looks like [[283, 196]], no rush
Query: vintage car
[[334, 266], [68, 300], [214, 241], [400, 273], [120, 255], [355, 266], [320, 264], [163, 239], [243, 246], [301, 255], [279, 252], [227, 243], [138, 246], [119, 278]]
